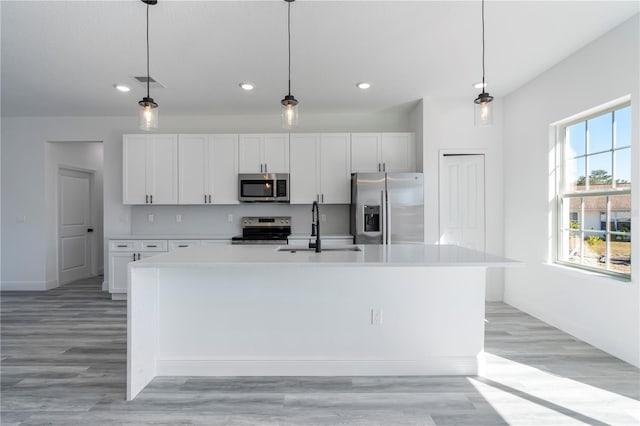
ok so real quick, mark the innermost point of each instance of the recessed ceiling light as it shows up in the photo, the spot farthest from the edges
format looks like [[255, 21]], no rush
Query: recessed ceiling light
[[479, 85], [363, 85], [122, 87], [245, 85]]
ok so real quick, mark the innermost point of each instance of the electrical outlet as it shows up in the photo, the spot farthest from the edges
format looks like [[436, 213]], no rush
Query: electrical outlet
[[21, 219], [178, 218], [150, 218], [229, 218], [376, 316]]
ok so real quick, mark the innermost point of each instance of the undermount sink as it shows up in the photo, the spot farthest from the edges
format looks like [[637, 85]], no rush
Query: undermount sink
[[306, 249]]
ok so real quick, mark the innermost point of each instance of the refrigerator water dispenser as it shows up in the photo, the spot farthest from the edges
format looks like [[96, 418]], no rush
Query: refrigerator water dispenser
[[371, 218]]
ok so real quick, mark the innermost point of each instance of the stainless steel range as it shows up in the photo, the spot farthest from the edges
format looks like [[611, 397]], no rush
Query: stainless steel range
[[264, 230]]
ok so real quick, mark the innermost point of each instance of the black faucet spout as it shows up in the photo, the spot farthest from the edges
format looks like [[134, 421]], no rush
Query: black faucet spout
[[315, 227]]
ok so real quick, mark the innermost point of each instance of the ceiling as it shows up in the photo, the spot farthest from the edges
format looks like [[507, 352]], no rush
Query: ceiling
[[62, 58]]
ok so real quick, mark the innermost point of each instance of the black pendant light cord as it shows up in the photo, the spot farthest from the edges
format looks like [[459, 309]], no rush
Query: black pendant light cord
[[483, 83], [289, 39], [148, 74]]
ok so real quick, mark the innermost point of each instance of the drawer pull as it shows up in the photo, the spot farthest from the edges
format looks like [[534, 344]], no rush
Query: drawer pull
[[152, 245], [183, 245], [122, 246]]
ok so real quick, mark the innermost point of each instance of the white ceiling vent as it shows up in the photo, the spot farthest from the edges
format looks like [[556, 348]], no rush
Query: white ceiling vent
[[153, 84]]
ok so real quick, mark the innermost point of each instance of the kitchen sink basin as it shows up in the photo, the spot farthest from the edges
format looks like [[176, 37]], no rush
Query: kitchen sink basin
[[306, 249]]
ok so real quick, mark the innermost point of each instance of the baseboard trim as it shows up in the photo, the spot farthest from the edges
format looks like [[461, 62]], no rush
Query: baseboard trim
[[105, 285], [118, 296], [437, 366], [28, 285]]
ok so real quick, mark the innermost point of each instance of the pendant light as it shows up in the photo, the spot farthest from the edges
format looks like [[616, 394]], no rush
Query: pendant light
[[483, 107], [148, 117], [289, 103]]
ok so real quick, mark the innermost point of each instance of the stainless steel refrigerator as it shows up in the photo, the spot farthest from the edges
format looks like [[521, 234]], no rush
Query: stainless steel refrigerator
[[387, 208]]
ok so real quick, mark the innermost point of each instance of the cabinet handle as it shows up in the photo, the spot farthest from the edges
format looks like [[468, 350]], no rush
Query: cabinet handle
[[152, 245], [138, 256], [146, 199], [379, 169], [384, 167], [121, 245], [151, 198], [183, 245], [265, 168], [209, 198], [260, 167], [134, 257], [205, 198], [317, 198], [322, 198]]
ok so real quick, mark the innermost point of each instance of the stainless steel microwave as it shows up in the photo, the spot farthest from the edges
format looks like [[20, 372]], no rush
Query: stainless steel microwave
[[263, 187]]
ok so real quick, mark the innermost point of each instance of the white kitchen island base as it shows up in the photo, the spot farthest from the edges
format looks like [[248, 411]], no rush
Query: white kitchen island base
[[312, 318]]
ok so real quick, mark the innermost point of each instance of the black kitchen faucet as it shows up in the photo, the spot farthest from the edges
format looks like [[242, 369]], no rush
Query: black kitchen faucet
[[315, 227]]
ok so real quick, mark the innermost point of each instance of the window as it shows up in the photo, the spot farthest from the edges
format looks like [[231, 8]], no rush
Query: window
[[594, 192]]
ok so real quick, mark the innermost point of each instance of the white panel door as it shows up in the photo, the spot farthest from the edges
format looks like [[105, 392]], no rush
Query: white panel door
[[398, 152], [223, 169], [304, 168], [462, 201], [249, 155], [192, 169], [365, 152], [74, 222], [162, 171], [275, 153], [335, 168], [134, 165]]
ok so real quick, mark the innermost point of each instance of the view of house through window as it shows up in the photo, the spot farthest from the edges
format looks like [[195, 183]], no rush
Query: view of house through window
[[594, 210]]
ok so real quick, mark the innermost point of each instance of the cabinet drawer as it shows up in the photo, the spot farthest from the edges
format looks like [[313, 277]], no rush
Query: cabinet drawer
[[122, 245], [176, 244], [153, 245]]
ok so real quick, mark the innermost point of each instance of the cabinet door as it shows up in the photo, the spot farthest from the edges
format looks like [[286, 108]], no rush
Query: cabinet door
[[134, 169], [223, 169], [275, 153], [162, 171], [118, 271], [249, 155], [398, 152], [335, 173], [365, 152], [192, 169], [304, 168]]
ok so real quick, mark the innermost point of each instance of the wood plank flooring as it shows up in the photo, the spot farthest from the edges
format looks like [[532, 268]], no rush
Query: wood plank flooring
[[63, 362]]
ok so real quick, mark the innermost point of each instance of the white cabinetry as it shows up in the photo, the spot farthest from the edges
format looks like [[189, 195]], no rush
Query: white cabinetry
[[150, 169], [262, 153], [383, 152], [208, 169], [121, 252], [320, 168]]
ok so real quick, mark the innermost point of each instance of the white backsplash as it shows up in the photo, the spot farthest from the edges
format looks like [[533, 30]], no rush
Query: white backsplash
[[214, 220]]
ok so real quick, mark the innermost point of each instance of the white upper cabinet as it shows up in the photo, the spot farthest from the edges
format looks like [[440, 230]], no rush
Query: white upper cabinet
[[263, 153], [383, 152], [320, 168], [150, 174], [207, 168]]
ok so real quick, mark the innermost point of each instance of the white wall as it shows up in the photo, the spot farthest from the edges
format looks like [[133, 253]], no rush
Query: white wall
[[25, 260], [604, 312], [449, 127]]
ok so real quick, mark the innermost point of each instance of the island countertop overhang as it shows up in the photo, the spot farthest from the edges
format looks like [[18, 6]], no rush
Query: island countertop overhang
[[404, 255]]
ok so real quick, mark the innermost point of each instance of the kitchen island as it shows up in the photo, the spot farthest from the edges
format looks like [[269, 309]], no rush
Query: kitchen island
[[401, 309]]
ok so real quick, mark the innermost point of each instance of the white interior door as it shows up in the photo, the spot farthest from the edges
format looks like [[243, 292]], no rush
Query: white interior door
[[74, 224], [462, 204]]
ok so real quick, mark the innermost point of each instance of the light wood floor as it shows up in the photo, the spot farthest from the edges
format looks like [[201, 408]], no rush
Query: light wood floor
[[64, 358]]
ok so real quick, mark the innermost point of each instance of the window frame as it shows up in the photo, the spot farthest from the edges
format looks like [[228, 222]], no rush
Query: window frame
[[563, 195]]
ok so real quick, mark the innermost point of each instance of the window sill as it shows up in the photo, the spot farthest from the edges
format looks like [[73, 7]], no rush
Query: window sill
[[586, 273]]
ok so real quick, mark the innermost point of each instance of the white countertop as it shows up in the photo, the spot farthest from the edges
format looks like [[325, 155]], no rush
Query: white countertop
[[370, 255], [170, 237]]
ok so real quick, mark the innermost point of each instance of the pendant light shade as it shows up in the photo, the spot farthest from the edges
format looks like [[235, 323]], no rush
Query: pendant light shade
[[148, 112], [289, 103], [483, 107]]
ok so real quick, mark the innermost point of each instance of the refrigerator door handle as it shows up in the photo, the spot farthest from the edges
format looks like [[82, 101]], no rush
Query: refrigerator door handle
[[384, 217], [387, 214]]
